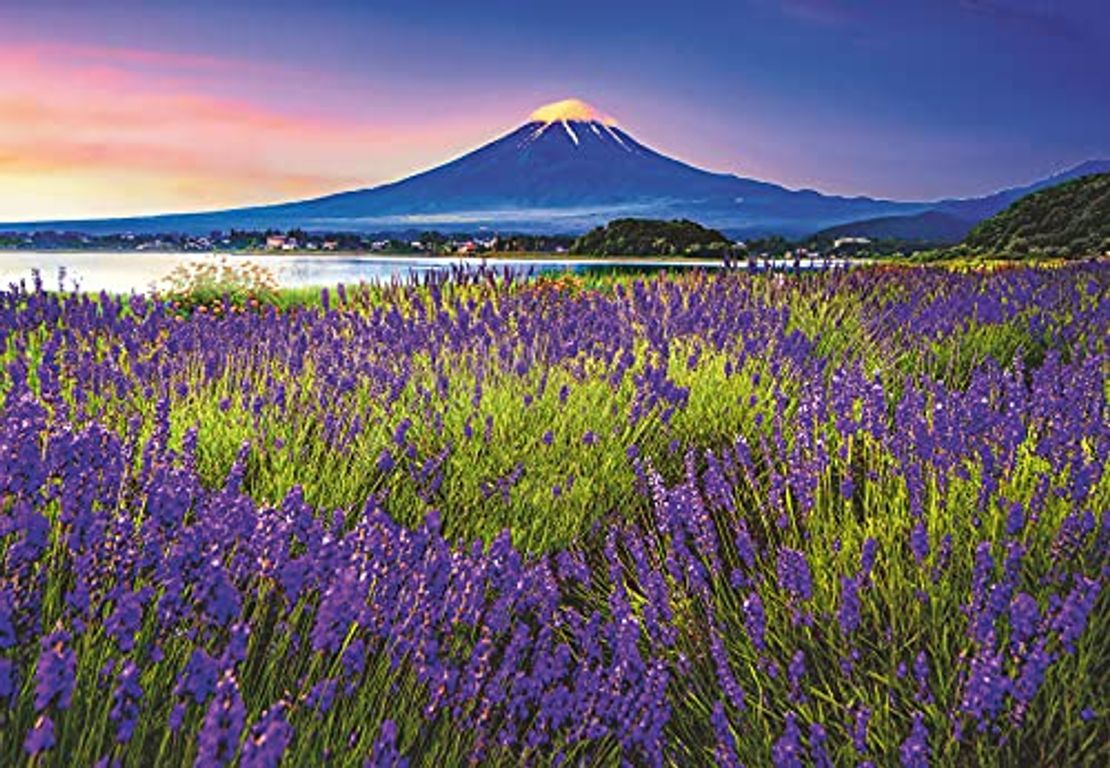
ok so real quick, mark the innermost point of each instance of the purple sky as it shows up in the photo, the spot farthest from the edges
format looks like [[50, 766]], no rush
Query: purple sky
[[110, 108]]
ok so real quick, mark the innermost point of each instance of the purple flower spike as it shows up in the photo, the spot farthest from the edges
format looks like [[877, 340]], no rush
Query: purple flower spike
[[268, 739], [793, 573], [919, 542], [788, 751], [125, 702], [914, 751], [40, 738], [726, 743], [860, 720], [817, 751], [755, 620], [385, 753], [223, 723], [55, 676], [848, 612]]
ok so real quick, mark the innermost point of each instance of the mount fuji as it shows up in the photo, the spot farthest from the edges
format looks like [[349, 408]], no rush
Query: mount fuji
[[570, 168], [565, 170]]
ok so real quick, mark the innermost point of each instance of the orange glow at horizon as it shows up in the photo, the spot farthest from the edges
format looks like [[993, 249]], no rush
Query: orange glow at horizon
[[100, 132]]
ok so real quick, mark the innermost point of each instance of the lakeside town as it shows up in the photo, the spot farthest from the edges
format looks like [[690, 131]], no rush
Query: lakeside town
[[294, 240], [414, 242]]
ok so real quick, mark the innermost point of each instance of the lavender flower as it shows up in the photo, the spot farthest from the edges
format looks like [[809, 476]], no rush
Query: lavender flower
[[126, 619], [848, 613], [1031, 675], [867, 557], [817, 752], [1071, 619], [914, 751], [985, 689], [860, 720], [385, 463], [795, 671], [725, 752], [40, 738], [55, 674], [125, 701], [787, 751], [1025, 618], [919, 542], [731, 688], [385, 753], [1015, 519], [755, 620], [268, 739], [921, 677], [219, 736], [793, 573]]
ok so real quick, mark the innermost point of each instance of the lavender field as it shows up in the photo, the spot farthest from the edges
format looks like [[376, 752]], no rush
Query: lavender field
[[860, 517]]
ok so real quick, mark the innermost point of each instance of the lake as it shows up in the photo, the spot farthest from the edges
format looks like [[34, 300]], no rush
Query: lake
[[135, 271], [132, 271]]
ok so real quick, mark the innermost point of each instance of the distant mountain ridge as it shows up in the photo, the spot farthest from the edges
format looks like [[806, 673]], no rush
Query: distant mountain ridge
[[567, 170], [981, 207], [930, 227], [947, 222]]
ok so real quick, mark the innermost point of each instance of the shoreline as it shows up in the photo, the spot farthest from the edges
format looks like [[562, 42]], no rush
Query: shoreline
[[511, 257]]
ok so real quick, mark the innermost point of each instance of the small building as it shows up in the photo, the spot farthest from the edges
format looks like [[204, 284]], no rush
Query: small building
[[275, 242], [331, 245]]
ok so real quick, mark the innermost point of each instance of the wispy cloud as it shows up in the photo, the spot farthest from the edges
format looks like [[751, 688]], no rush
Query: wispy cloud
[[833, 13], [1036, 16], [138, 57]]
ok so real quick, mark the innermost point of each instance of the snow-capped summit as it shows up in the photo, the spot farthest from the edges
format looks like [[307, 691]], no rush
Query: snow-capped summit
[[580, 123], [574, 110]]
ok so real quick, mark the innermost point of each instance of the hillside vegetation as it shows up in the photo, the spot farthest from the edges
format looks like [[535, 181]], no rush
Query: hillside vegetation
[[1067, 221], [652, 237]]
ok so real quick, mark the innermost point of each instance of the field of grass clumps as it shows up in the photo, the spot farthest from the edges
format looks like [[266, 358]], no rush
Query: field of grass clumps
[[845, 518]]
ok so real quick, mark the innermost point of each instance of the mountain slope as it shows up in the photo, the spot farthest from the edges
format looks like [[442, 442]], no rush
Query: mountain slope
[[929, 227], [1069, 220], [572, 171]]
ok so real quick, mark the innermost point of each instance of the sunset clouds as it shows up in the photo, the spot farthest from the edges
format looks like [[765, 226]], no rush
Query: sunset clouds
[[94, 131]]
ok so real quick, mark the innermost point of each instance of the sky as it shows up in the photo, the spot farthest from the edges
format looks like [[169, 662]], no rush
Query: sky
[[122, 107]]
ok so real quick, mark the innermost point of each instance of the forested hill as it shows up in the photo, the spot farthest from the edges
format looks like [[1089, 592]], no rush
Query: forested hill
[[651, 237], [1070, 221]]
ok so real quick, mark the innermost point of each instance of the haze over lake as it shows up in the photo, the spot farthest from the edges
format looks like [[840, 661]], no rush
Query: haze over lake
[[126, 272]]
